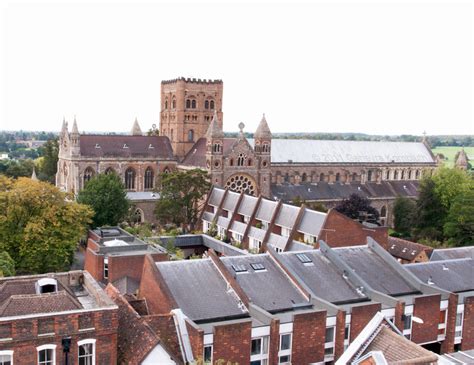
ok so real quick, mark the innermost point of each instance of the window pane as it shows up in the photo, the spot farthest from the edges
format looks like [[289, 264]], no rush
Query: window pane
[[208, 354], [407, 322], [459, 319], [5, 359], [329, 351], [347, 331], [256, 346], [265, 345], [285, 359], [329, 334], [257, 362], [285, 342]]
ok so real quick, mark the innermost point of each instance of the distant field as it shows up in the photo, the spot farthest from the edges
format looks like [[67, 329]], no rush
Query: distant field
[[450, 152]]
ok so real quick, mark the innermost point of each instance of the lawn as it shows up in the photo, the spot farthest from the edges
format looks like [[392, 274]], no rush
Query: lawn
[[450, 152]]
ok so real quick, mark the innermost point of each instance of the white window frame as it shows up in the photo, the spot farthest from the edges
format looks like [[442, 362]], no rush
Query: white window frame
[[87, 342], [206, 226], [7, 353], [265, 225], [237, 237], [255, 244], [408, 312], [246, 219], [286, 352], [204, 351], [262, 357], [221, 231], [106, 267], [46, 347], [329, 344], [459, 329], [442, 326], [285, 232], [309, 238]]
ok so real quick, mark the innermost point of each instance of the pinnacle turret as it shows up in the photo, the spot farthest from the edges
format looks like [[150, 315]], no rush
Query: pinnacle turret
[[136, 130], [33, 175], [75, 130], [214, 131], [263, 131]]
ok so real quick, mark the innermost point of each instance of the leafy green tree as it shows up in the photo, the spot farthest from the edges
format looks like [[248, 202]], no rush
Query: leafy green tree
[[358, 207], [449, 183], [17, 168], [404, 211], [49, 161], [181, 192], [459, 226], [7, 265], [106, 195], [40, 226]]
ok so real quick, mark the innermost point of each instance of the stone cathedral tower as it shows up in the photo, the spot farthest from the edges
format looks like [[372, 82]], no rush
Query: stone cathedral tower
[[187, 109]]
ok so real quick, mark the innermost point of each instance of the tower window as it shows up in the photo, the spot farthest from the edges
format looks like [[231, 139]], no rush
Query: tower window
[[149, 178], [231, 162], [174, 103], [190, 135], [206, 104], [211, 104], [217, 148], [266, 147], [88, 174], [166, 104], [130, 178], [188, 104], [193, 104], [240, 160]]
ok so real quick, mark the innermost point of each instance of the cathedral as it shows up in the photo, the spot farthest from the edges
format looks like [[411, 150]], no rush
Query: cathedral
[[191, 136]]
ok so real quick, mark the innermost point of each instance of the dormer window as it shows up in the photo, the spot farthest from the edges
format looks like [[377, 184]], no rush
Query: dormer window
[[150, 147], [125, 145], [97, 145], [46, 285]]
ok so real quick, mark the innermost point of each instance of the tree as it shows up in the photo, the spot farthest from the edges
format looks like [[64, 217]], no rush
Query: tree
[[358, 207], [180, 195], [404, 210], [106, 195], [49, 161], [459, 226], [40, 226], [7, 265], [430, 213], [449, 183]]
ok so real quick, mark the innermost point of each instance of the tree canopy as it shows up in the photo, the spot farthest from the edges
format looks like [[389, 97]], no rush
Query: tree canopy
[[358, 207], [180, 195], [459, 226], [7, 265], [49, 161], [404, 210], [40, 226], [106, 195]]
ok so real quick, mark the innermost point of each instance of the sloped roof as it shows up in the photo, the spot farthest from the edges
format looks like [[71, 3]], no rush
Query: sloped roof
[[317, 151], [136, 146], [452, 253], [312, 222], [404, 249], [197, 154], [287, 215]]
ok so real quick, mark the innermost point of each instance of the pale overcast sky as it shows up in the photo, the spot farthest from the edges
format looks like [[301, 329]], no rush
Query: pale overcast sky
[[378, 67]]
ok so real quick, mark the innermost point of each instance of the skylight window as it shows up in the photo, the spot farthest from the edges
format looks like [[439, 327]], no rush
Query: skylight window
[[303, 258], [239, 268], [257, 266]]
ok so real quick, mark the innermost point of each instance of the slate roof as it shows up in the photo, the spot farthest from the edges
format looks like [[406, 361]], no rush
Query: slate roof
[[335, 191], [247, 205], [404, 249], [312, 222], [316, 151], [322, 277], [373, 270], [231, 201], [452, 253], [287, 215], [17, 305], [269, 288], [454, 275], [265, 210], [216, 197], [137, 146], [199, 290], [197, 154]]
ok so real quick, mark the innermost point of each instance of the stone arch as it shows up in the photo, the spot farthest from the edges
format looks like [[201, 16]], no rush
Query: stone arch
[[109, 170], [130, 178], [88, 174], [138, 216], [242, 183], [149, 180]]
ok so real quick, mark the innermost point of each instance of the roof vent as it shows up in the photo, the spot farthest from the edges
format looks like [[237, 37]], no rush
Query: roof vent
[[413, 252], [125, 145], [97, 145], [430, 281], [290, 161], [405, 250], [46, 285], [445, 268], [150, 147], [404, 186], [344, 275], [358, 188], [393, 247], [360, 290]]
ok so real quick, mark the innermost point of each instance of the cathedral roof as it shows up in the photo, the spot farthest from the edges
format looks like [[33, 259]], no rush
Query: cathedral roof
[[263, 131], [214, 130], [317, 151], [126, 146], [197, 154], [462, 158], [136, 130]]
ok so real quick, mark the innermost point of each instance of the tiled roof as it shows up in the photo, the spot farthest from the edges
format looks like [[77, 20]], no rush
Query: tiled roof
[[312, 222], [316, 151], [452, 253], [404, 249], [197, 154], [136, 146], [18, 305]]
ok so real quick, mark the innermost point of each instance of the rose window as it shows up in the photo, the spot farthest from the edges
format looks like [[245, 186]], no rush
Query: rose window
[[241, 183]]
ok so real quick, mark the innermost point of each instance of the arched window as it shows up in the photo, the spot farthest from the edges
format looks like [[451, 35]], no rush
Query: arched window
[[190, 135], [216, 147], [231, 162], [130, 179], [354, 177], [409, 174], [46, 354], [369, 175], [338, 177], [395, 175], [417, 174], [387, 175], [287, 178], [88, 174], [249, 162], [265, 147], [211, 104], [174, 103], [171, 135], [166, 104], [241, 160], [321, 177], [166, 170], [86, 352], [193, 104], [109, 170], [206, 104], [149, 178], [304, 177], [188, 103], [138, 216], [383, 212], [402, 176]]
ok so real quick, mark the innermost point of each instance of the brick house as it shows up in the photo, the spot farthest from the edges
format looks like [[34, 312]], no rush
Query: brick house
[[56, 319]]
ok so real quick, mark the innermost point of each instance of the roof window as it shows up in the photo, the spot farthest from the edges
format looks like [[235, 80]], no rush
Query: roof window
[[150, 147], [239, 268], [125, 145], [97, 145], [303, 258], [257, 266], [46, 285]]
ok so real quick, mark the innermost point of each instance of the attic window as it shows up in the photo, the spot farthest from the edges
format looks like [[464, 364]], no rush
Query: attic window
[[393, 247], [303, 258], [46, 285], [413, 252], [257, 266], [150, 146], [239, 268], [97, 145], [404, 250], [125, 145]]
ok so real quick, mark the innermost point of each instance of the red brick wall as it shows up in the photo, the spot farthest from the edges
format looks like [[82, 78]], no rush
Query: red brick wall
[[362, 315], [426, 308], [25, 338], [232, 342], [448, 344], [164, 327], [309, 331], [120, 266], [196, 337], [399, 311], [274, 341], [339, 231], [154, 289], [468, 325], [94, 264], [340, 329]]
